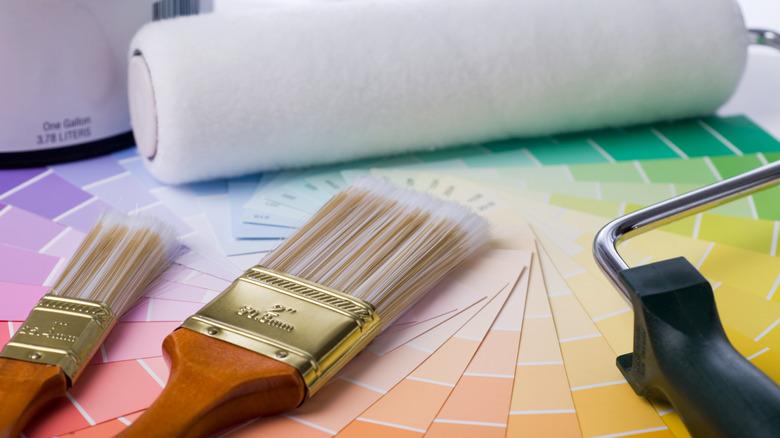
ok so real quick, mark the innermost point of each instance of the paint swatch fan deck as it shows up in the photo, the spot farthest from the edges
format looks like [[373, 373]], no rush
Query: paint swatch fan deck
[[518, 340]]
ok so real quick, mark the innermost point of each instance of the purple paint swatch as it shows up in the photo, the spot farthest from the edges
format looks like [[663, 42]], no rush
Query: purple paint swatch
[[125, 193], [23, 266], [136, 167], [66, 244], [84, 218], [124, 153], [49, 197], [151, 309], [85, 172], [27, 230], [166, 215], [12, 178]]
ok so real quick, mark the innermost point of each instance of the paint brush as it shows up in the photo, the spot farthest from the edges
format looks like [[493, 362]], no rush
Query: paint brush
[[107, 274], [275, 336]]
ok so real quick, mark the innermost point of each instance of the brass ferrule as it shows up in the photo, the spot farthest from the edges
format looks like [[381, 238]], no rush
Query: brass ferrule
[[315, 329], [61, 331]]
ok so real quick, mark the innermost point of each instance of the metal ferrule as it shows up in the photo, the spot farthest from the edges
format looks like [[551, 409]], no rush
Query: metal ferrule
[[59, 331], [315, 329]]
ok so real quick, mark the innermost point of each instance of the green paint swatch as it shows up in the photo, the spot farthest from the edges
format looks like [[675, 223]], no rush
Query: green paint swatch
[[678, 171], [693, 138], [616, 172], [734, 165], [565, 150], [633, 144], [744, 134]]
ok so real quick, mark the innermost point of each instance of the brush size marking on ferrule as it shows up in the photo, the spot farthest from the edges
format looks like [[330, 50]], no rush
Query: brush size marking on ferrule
[[64, 332], [310, 327], [270, 316]]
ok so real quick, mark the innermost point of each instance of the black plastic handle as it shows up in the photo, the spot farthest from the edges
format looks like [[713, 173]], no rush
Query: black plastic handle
[[681, 355]]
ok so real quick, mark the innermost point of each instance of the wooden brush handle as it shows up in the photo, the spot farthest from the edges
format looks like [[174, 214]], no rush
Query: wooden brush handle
[[25, 388], [213, 385]]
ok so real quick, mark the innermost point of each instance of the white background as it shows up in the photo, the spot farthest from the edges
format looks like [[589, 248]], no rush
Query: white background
[[759, 93]]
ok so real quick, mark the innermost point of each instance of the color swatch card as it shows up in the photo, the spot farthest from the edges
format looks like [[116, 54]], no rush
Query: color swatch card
[[478, 284], [434, 381], [542, 403], [606, 315], [521, 341]]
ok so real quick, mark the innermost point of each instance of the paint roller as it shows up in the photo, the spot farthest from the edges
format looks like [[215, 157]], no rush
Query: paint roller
[[227, 94]]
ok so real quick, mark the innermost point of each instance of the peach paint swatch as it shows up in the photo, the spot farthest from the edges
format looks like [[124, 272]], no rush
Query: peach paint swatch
[[542, 404], [541, 401], [410, 407], [604, 403], [367, 377], [480, 402], [370, 376]]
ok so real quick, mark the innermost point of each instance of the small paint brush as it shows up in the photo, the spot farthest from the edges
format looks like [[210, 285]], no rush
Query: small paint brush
[[108, 273], [281, 330]]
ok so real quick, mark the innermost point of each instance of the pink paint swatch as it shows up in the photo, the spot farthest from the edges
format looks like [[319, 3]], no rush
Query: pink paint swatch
[[64, 244], [135, 340], [24, 266], [152, 309], [18, 300], [21, 228]]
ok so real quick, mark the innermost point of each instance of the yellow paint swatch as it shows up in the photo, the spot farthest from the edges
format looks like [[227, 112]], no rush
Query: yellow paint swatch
[[541, 399]]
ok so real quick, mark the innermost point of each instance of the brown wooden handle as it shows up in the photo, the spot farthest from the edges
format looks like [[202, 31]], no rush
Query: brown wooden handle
[[25, 388], [213, 385]]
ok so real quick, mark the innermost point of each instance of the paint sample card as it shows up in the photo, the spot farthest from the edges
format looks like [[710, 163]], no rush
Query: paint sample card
[[412, 405], [607, 317], [363, 381], [479, 403], [542, 403], [473, 358]]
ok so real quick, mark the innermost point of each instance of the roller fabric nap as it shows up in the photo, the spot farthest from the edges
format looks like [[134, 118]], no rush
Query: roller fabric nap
[[285, 87]]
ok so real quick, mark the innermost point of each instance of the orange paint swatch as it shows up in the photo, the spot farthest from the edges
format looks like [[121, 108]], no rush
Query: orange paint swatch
[[371, 376], [479, 404], [541, 400], [410, 407]]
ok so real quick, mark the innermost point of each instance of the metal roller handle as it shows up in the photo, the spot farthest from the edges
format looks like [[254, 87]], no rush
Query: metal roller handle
[[605, 245], [679, 353], [764, 37]]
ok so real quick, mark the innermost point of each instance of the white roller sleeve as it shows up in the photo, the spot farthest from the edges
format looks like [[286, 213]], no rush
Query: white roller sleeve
[[224, 95]]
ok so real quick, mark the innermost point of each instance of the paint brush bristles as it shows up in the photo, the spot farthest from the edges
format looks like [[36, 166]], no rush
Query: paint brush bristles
[[283, 329], [117, 261], [385, 245]]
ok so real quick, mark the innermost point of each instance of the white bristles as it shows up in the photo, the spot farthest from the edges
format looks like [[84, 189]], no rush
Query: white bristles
[[117, 260], [382, 244]]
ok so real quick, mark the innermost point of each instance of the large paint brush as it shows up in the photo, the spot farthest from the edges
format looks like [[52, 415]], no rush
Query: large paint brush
[[286, 326], [115, 263]]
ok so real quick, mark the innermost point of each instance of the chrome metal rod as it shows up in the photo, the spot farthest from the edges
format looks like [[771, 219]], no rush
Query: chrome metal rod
[[605, 245], [764, 37]]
